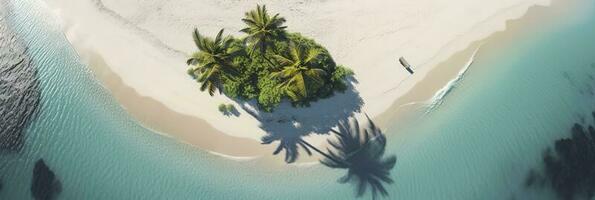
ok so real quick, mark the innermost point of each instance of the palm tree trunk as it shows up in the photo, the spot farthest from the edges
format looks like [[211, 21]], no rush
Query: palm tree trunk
[[267, 59], [262, 54], [320, 152]]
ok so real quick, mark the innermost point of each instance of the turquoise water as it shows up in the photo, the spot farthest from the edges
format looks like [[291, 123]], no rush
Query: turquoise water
[[479, 144]]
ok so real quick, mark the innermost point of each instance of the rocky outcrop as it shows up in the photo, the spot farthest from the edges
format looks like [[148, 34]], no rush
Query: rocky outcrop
[[19, 88], [45, 184]]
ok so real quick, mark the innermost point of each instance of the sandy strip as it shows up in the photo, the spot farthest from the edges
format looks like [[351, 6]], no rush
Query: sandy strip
[[420, 97], [136, 49], [189, 129]]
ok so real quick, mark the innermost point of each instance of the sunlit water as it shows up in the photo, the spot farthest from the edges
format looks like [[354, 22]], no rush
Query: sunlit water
[[478, 144]]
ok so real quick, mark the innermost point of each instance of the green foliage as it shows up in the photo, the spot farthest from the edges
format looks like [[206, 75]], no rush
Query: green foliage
[[268, 65], [338, 78], [230, 107], [299, 76], [222, 108], [262, 29], [226, 109], [232, 89], [270, 94], [250, 92], [212, 64]]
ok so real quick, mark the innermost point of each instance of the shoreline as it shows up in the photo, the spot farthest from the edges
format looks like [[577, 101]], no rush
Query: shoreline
[[159, 116], [155, 116], [535, 16]]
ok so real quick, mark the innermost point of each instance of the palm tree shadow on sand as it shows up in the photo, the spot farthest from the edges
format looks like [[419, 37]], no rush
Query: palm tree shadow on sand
[[360, 151], [289, 125]]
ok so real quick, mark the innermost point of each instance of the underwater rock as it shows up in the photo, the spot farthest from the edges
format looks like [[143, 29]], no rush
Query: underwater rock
[[569, 168], [19, 88], [45, 185]]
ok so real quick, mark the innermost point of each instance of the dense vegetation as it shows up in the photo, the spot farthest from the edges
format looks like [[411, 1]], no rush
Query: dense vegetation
[[268, 65], [271, 64]]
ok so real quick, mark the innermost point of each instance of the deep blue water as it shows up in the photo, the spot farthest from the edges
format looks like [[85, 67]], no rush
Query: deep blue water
[[478, 144]]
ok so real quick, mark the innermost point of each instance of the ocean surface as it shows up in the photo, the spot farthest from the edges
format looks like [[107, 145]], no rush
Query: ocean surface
[[478, 143]]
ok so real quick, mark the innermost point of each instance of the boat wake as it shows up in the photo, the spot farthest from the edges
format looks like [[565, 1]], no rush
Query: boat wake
[[438, 98]]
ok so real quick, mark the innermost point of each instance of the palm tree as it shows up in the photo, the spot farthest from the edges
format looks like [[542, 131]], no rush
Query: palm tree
[[299, 72], [263, 30], [213, 61], [362, 154]]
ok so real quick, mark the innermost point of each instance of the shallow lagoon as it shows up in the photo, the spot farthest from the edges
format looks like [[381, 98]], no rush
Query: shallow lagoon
[[478, 144]]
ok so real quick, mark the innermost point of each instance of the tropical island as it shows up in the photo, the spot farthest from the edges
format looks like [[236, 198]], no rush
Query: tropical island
[[140, 51], [271, 64], [263, 64], [267, 65]]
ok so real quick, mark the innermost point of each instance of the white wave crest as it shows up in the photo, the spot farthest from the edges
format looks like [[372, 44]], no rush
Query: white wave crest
[[438, 98]]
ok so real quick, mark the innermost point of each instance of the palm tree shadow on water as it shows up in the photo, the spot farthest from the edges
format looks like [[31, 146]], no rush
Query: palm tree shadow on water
[[213, 64], [361, 153]]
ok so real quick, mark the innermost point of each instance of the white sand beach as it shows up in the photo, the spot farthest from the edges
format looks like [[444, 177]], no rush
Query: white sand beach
[[138, 49]]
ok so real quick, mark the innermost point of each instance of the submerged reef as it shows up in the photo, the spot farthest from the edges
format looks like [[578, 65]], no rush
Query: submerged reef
[[45, 184], [19, 88], [569, 168]]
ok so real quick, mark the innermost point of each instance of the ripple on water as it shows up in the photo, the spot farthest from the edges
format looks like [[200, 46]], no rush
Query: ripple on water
[[19, 88]]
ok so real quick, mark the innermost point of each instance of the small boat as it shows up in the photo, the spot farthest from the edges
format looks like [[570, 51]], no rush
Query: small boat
[[406, 65]]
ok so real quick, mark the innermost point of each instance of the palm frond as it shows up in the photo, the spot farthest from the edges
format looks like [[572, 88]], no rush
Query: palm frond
[[300, 85], [294, 52], [198, 40], [219, 37], [283, 60], [213, 61], [262, 30], [292, 95], [192, 61], [312, 54]]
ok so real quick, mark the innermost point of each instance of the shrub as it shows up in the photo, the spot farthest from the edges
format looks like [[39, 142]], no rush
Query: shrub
[[222, 108], [254, 81], [232, 89], [230, 108], [270, 95], [338, 78]]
